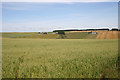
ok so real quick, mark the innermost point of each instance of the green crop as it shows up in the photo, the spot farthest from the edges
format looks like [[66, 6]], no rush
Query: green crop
[[59, 58]]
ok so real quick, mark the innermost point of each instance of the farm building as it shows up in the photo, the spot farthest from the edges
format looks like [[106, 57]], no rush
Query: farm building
[[45, 33], [55, 33], [92, 33], [39, 33]]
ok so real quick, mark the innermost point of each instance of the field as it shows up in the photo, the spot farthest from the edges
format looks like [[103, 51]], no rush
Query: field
[[69, 35], [59, 58], [100, 35], [76, 35], [80, 35], [30, 35], [107, 35]]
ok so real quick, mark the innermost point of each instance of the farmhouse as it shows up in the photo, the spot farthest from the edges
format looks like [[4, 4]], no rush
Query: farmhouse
[[92, 32]]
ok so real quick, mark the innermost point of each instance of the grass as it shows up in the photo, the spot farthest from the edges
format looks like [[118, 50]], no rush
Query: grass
[[80, 35], [18, 35], [59, 58], [30, 35], [76, 35]]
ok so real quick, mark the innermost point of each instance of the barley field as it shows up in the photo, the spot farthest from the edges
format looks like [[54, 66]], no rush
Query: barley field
[[59, 58]]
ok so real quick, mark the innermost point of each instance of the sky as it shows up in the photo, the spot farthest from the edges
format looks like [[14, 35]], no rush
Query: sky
[[59, 0], [49, 16]]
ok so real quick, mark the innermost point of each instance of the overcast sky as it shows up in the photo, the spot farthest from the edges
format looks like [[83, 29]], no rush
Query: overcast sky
[[45, 16]]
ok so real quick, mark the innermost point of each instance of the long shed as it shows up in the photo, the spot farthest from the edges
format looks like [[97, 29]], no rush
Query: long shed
[[92, 33]]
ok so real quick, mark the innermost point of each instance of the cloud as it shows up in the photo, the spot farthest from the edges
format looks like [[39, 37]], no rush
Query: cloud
[[60, 1]]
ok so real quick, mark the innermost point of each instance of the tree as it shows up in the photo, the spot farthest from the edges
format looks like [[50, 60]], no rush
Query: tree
[[61, 33]]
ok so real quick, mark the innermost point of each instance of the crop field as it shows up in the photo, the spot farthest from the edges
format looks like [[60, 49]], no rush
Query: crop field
[[107, 34], [59, 58], [76, 35], [69, 35], [30, 35], [101, 34], [80, 35]]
